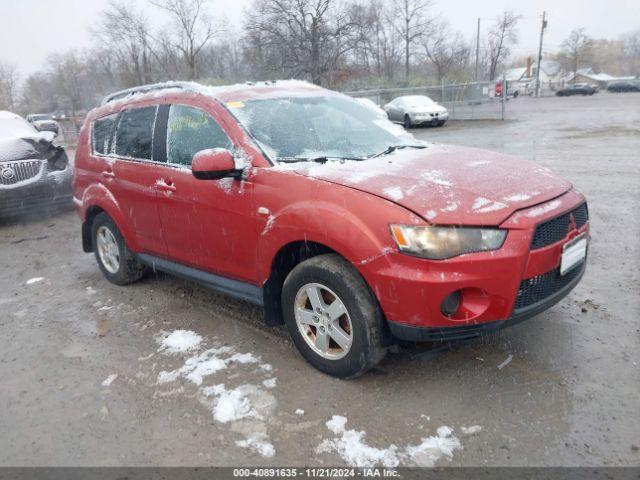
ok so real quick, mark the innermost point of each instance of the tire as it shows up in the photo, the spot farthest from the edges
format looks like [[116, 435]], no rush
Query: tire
[[441, 123], [361, 320], [128, 268], [515, 94], [407, 122]]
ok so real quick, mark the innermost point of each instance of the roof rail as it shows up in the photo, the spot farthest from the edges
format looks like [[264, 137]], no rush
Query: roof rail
[[145, 89]]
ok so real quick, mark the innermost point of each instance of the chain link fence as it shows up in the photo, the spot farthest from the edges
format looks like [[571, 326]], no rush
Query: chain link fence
[[465, 101]]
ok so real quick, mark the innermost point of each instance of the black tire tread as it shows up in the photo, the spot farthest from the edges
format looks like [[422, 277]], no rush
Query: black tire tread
[[346, 278]]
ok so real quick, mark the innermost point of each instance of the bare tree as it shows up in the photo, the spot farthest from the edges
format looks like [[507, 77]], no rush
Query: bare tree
[[124, 32], [193, 28], [302, 38], [67, 71], [502, 36], [8, 86], [411, 22], [445, 50], [376, 46], [576, 49]]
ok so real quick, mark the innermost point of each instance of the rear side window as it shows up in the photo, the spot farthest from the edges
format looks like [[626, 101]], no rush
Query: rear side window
[[190, 130], [102, 134], [134, 136]]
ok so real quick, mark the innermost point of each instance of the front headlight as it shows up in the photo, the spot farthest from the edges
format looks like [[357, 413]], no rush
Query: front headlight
[[438, 243]]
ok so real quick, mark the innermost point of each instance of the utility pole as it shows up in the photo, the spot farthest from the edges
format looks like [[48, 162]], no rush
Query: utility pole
[[544, 25], [477, 49]]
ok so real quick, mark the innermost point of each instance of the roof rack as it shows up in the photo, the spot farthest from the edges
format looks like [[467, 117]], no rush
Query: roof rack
[[146, 89]]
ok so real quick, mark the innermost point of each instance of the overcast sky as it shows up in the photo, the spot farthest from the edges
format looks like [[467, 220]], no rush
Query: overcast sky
[[32, 29]]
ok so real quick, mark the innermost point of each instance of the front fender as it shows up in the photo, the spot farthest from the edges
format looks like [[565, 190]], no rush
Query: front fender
[[347, 231]]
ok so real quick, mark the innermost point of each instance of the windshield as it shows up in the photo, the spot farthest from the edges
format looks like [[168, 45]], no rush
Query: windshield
[[319, 126], [39, 118]]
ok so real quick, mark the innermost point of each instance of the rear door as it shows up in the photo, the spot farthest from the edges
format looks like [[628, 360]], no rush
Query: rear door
[[206, 223], [133, 173]]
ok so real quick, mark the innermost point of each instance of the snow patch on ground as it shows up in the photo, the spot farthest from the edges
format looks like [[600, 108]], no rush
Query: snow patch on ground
[[31, 281], [180, 341], [247, 407], [109, 380], [299, 412], [350, 445], [472, 430], [258, 442], [270, 382]]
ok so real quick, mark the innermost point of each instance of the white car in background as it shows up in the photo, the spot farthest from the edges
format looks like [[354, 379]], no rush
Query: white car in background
[[372, 105], [415, 110]]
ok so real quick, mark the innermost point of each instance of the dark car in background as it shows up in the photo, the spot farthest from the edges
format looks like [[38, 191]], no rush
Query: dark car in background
[[576, 89], [34, 172], [43, 122], [618, 87]]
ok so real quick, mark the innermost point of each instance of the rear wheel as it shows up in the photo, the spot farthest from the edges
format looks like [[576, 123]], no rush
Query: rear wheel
[[118, 264], [332, 317]]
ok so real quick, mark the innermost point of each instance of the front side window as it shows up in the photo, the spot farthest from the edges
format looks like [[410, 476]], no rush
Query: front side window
[[134, 135], [189, 131], [102, 134]]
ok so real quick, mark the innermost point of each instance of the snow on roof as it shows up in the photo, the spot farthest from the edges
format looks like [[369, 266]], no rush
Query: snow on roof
[[514, 74], [237, 92], [598, 77]]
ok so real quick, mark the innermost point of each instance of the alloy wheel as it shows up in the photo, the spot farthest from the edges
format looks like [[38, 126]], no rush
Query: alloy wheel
[[323, 321], [108, 249]]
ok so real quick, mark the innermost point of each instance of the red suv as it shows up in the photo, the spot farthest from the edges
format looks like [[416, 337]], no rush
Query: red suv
[[337, 222]]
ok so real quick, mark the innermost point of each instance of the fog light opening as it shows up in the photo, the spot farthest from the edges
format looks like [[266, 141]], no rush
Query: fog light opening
[[451, 303]]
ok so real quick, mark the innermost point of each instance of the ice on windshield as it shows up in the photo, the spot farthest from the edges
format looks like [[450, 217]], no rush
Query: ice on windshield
[[317, 126]]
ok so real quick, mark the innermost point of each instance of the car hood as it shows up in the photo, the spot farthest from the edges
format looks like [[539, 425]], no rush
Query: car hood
[[445, 184], [31, 145]]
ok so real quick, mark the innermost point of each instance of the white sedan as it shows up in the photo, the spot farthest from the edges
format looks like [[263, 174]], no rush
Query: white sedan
[[414, 110]]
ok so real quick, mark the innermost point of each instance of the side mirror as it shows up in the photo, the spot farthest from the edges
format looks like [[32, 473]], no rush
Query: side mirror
[[214, 164]]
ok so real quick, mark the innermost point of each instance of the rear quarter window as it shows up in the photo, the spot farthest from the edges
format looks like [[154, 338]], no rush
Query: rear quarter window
[[103, 134], [134, 135]]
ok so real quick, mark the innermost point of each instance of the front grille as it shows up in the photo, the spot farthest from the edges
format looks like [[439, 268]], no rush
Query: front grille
[[12, 173], [541, 287], [557, 228]]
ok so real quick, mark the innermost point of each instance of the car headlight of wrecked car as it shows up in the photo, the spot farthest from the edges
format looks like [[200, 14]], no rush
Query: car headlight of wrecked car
[[438, 243]]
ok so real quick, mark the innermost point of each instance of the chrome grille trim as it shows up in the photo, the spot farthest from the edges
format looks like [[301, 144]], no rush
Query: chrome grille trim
[[16, 172]]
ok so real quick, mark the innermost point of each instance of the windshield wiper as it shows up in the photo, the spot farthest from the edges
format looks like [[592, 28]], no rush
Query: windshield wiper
[[393, 148], [322, 159]]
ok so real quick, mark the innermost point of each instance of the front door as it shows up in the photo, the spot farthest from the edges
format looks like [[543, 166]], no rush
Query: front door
[[206, 223]]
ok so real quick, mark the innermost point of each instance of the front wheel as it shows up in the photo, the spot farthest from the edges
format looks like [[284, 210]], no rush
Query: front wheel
[[407, 122], [332, 317]]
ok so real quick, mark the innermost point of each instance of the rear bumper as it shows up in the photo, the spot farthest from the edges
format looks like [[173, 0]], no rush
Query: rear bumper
[[467, 331]]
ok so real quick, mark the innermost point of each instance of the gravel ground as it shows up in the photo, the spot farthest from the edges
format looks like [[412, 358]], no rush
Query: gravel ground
[[80, 358]]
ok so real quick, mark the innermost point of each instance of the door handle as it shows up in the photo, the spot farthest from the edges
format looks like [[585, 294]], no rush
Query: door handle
[[108, 174], [163, 186]]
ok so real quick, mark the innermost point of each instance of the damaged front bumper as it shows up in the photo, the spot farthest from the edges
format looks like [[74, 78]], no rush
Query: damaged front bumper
[[28, 185]]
